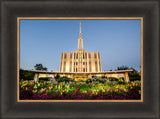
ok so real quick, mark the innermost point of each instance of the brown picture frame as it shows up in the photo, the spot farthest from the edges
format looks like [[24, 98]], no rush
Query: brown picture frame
[[10, 108]]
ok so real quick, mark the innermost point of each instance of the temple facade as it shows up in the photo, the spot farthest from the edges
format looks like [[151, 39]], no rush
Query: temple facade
[[81, 65], [80, 60]]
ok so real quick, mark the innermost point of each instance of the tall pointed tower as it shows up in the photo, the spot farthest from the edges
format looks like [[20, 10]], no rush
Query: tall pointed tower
[[80, 52], [80, 40], [80, 60]]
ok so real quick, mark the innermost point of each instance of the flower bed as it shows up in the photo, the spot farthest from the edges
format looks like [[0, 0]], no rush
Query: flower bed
[[62, 91]]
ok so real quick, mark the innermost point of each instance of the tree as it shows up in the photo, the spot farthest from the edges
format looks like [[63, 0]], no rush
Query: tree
[[40, 67], [123, 68], [57, 76], [134, 75], [26, 75]]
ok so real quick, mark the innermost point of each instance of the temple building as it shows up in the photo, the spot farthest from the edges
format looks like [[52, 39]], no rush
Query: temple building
[[81, 65], [80, 60]]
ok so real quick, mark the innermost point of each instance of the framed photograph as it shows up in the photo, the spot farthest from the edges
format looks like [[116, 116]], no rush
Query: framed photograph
[[79, 76], [80, 59]]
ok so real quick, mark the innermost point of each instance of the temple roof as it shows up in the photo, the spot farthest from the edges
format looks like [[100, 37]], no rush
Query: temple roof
[[103, 72]]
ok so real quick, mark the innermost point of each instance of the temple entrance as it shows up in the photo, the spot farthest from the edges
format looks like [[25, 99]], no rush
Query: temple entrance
[[78, 77]]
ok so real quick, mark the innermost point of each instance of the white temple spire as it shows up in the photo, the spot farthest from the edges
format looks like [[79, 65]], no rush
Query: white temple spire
[[80, 40], [80, 34]]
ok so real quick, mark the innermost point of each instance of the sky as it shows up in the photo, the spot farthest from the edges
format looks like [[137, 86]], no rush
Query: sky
[[43, 41]]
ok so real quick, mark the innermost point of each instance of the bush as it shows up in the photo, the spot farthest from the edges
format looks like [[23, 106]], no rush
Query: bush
[[134, 76], [71, 80], [102, 81], [113, 79], [121, 81], [84, 87], [64, 79], [103, 77], [97, 78], [110, 83], [57, 76], [41, 81], [138, 82], [89, 81], [75, 86], [44, 79], [81, 80], [26, 75]]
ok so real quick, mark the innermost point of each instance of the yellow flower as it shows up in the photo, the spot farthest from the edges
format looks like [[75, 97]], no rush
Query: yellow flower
[[34, 91], [61, 83], [133, 84]]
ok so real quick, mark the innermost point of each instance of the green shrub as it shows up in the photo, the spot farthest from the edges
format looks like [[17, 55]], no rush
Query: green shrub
[[113, 79], [121, 81], [89, 81], [110, 83], [57, 76], [71, 80], [81, 80], [103, 77], [138, 82], [74, 86], [84, 87], [44, 79], [26, 75], [102, 81], [97, 79], [63, 79], [41, 81], [134, 76]]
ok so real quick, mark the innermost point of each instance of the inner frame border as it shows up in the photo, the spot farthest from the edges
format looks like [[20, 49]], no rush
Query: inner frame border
[[77, 18]]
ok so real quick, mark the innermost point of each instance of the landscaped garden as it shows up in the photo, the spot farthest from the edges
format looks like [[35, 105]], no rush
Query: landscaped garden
[[64, 88]]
